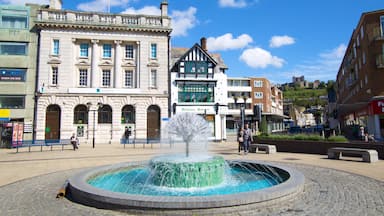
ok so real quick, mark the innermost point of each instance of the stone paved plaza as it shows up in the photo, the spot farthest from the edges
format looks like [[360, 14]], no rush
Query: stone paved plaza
[[30, 182]]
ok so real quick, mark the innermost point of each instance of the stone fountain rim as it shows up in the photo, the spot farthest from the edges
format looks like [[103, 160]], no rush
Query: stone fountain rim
[[82, 192]]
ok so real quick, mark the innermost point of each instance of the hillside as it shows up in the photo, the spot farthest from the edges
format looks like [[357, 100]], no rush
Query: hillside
[[305, 97]]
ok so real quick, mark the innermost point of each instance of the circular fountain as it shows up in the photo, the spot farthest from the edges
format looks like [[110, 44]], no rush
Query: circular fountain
[[184, 181]]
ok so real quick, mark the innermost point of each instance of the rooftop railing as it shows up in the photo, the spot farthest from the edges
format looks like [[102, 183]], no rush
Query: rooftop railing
[[92, 18]]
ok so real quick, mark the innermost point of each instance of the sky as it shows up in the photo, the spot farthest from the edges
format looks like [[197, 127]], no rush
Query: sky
[[274, 39]]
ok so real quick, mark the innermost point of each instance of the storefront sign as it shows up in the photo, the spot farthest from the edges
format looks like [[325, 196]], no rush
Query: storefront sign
[[5, 114], [377, 107]]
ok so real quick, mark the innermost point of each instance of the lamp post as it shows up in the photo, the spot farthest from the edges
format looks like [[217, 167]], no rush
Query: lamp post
[[242, 108], [99, 105]]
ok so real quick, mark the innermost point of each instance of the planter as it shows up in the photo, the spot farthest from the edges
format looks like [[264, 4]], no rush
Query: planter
[[318, 147]]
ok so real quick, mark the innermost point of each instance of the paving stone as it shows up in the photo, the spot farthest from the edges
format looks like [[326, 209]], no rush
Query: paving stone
[[326, 192]]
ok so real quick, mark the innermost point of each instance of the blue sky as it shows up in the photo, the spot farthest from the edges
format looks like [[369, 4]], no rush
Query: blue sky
[[275, 39]]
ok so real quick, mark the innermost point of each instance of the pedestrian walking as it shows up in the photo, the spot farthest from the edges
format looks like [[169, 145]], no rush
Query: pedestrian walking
[[248, 139], [240, 139]]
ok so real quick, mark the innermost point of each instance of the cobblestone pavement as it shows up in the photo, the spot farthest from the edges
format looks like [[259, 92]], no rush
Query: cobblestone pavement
[[326, 192]]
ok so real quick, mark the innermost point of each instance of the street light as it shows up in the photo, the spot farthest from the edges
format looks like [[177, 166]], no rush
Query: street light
[[242, 107], [89, 105]]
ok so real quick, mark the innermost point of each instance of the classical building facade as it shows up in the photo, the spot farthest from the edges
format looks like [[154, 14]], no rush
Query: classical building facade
[[18, 51], [99, 73], [199, 85], [360, 94]]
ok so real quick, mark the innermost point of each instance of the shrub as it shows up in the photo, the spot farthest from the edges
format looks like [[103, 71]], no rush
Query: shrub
[[311, 137]]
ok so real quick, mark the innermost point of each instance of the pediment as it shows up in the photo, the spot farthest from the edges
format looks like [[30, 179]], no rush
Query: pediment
[[54, 61], [153, 64], [83, 62], [129, 63], [106, 63]]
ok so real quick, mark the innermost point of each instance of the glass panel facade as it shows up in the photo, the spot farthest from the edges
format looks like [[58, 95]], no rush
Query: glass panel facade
[[9, 48], [12, 74], [14, 18], [12, 102], [196, 93], [196, 67]]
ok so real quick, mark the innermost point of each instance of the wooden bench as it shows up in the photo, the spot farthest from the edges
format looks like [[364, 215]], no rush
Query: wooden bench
[[269, 149], [369, 155]]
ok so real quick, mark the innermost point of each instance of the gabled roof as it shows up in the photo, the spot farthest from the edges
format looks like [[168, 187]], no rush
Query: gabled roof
[[179, 54]]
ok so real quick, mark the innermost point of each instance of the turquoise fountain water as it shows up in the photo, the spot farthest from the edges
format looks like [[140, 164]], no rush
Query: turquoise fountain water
[[190, 180]]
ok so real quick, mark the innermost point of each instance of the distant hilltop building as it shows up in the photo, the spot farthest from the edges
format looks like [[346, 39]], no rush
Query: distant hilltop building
[[301, 83]]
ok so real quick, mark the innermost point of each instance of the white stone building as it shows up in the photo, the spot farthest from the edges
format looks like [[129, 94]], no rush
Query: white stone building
[[99, 73], [199, 85]]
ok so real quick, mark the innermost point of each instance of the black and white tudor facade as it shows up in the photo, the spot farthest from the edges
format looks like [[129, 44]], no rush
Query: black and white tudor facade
[[199, 85]]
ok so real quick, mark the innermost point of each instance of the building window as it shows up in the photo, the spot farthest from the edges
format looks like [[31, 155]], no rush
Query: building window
[[196, 93], [153, 83], [382, 25], [129, 51], [364, 60], [12, 102], [106, 79], [14, 19], [128, 78], [10, 48], [107, 50], [362, 32], [54, 75], [196, 67], [258, 95], [128, 114], [80, 115], [83, 77], [84, 50], [12, 74], [105, 114], [56, 46], [258, 83], [153, 51]]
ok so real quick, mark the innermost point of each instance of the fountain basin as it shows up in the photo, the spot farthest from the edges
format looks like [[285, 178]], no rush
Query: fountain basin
[[81, 191], [184, 172]]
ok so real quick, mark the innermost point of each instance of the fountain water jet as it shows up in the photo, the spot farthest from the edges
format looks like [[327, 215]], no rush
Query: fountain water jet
[[190, 181]]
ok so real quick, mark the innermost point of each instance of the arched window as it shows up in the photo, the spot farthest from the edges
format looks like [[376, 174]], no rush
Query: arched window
[[128, 114], [105, 114], [80, 115]]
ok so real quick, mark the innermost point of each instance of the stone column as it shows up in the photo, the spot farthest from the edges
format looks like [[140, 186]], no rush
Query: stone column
[[94, 67], [118, 73], [138, 66]]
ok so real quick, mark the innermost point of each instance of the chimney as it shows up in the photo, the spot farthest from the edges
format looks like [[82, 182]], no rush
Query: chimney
[[164, 8], [203, 44], [55, 4]]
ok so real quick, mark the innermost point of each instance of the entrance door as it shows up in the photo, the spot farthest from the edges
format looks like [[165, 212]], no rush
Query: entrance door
[[52, 122], [153, 122]]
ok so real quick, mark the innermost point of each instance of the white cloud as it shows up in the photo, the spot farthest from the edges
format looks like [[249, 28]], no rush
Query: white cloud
[[260, 58], [323, 68], [227, 42], [278, 41], [22, 2], [148, 10], [233, 3], [101, 5], [182, 21]]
